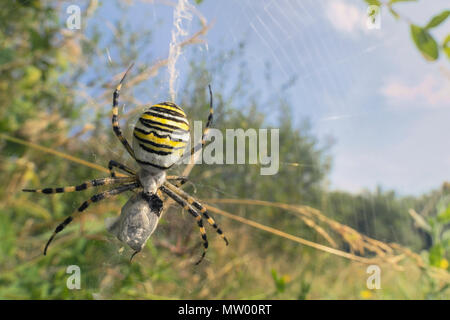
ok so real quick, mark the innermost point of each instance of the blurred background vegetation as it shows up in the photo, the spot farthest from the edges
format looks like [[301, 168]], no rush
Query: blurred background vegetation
[[56, 93]]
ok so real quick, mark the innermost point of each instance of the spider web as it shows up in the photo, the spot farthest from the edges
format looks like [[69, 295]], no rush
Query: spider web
[[320, 62], [340, 67], [301, 44]]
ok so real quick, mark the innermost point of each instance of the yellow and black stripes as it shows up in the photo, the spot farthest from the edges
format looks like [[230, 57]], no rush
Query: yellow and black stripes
[[185, 205], [84, 185], [84, 205], [141, 134], [166, 115], [166, 143], [167, 109], [163, 124], [148, 124], [156, 150], [197, 205], [170, 107], [115, 116], [161, 135], [146, 163], [180, 180]]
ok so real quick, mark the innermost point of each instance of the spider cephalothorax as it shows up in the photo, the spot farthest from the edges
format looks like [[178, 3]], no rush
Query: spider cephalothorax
[[160, 137]]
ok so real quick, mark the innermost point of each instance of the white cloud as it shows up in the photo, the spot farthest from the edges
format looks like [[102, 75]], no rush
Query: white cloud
[[346, 17], [432, 92]]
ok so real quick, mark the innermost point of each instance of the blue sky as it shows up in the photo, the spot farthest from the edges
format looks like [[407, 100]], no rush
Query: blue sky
[[385, 106]]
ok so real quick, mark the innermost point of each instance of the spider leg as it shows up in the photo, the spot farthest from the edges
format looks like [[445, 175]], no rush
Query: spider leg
[[184, 204], [95, 198], [84, 185], [132, 256], [115, 117], [114, 164], [201, 144], [180, 180], [197, 205]]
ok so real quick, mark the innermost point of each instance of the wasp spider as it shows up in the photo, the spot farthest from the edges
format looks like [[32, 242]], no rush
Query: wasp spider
[[160, 138]]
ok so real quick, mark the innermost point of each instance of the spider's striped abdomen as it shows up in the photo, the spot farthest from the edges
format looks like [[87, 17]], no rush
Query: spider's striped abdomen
[[160, 136]]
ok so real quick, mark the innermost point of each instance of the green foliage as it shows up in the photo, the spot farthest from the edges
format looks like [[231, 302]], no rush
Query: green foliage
[[30, 64], [305, 288], [284, 283], [380, 214], [280, 282], [394, 1], [446, 46], [422, 38], [438, 19], [425, 42], [373, 2], [436, 226], [436, 254]]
